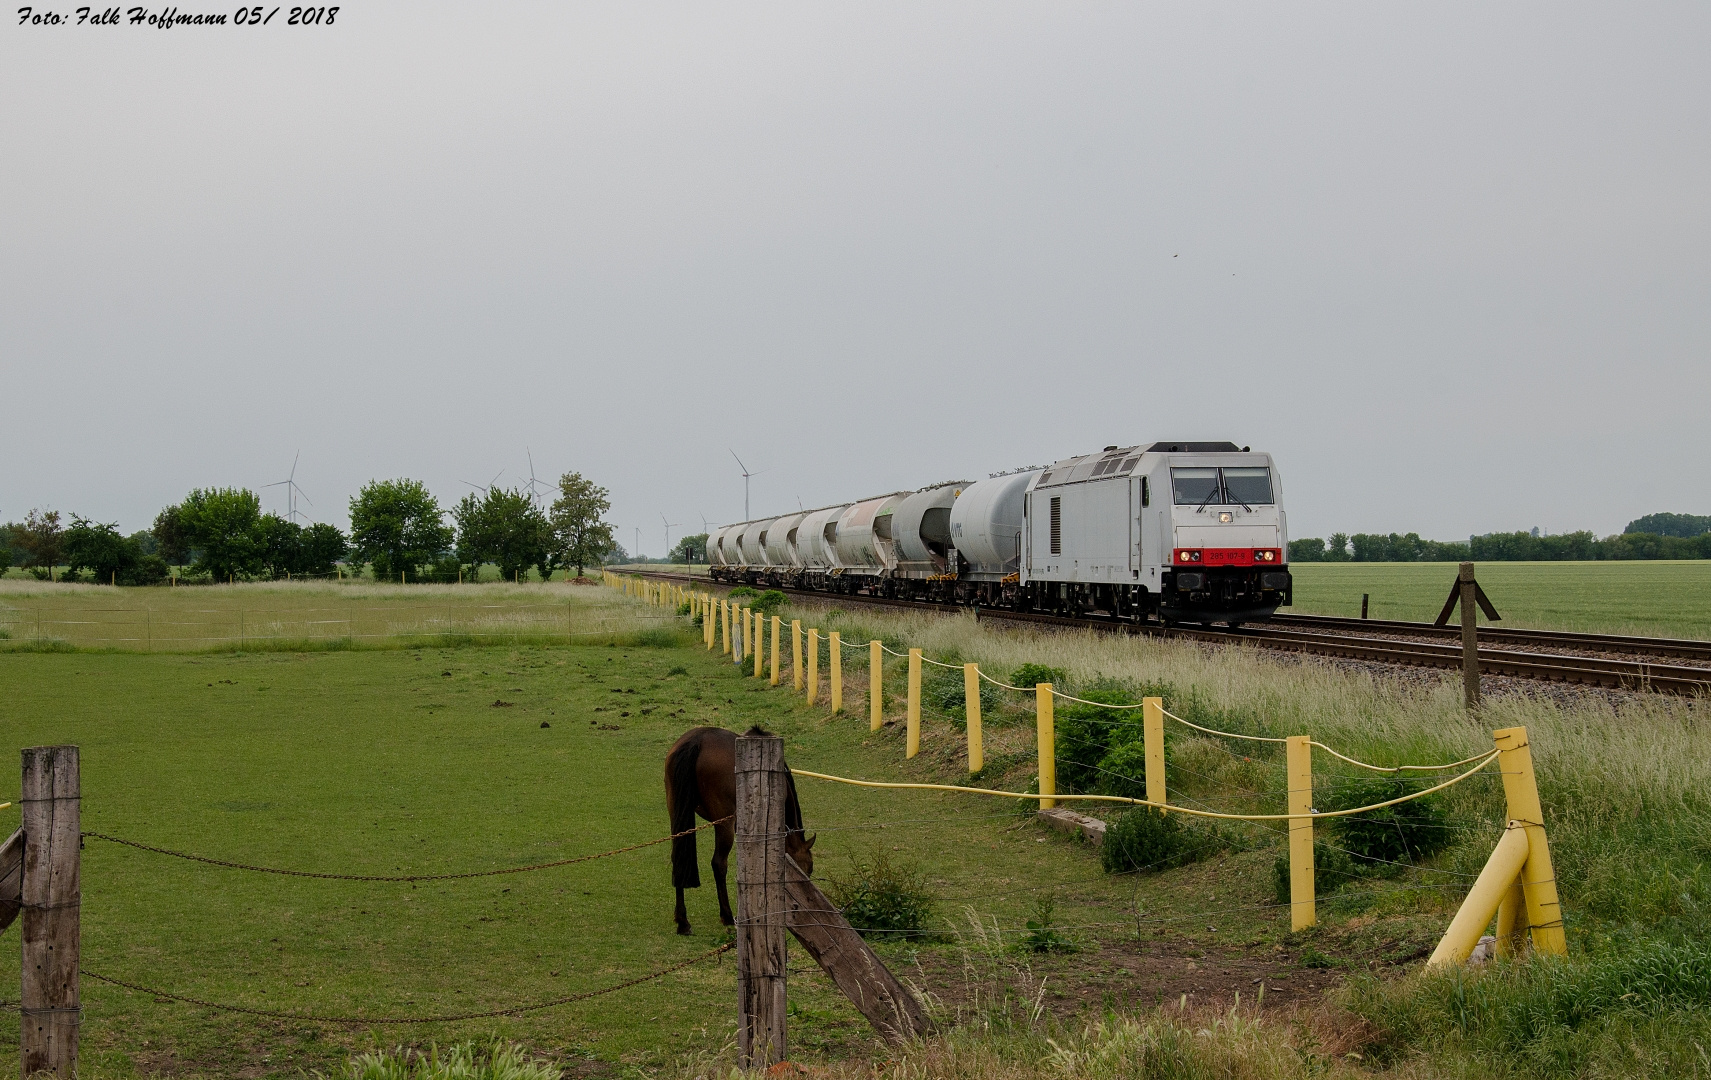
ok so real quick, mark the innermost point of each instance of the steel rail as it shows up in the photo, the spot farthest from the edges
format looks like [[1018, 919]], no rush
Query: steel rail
[[1677, 647], [1636, 675]]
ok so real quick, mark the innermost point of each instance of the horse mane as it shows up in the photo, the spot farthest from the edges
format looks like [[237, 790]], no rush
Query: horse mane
[[792, 807]]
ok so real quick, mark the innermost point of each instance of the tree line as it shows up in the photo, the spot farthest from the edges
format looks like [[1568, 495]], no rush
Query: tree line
[[1655, 536], [398, 529]]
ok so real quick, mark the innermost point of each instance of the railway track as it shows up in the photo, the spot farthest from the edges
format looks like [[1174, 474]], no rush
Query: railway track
[[1500, 651]]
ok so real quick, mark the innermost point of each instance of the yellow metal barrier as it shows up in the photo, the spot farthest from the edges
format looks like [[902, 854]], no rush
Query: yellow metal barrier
[[1520, 864], [875, 685], [912, 740], [971, 711]]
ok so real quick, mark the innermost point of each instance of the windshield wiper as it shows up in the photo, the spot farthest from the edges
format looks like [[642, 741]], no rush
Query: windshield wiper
[[1210, 495]]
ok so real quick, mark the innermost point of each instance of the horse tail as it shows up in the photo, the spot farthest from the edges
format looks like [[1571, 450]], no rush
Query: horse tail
[[682, 792]]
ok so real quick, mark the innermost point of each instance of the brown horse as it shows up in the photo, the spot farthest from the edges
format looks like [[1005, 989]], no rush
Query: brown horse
[[701, 778]]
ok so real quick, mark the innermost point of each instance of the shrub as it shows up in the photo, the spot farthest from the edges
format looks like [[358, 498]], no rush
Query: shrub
[[884, 897], [768, 602], [1405, 833], [741, 591], [1029, 675], [464, 1061], [1145, 838]]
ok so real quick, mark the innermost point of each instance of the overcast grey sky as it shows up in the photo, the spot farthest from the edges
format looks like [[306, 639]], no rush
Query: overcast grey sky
[[1448, 263]]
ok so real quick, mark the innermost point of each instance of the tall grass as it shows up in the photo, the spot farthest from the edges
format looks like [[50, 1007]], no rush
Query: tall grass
[[1626, 787]]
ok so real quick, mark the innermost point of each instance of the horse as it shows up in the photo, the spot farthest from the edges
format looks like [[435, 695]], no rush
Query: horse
[[701, 778]]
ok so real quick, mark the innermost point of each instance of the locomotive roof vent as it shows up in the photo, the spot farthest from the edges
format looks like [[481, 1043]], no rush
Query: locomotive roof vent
[[1194, 448]]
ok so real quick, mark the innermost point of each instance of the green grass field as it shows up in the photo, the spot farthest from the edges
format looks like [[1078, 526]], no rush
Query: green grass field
[[1652, 599], [395, 759]]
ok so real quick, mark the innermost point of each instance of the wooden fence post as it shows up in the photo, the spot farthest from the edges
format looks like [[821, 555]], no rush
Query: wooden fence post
[[1469, 638], [773, 680], [1152, 742], [971, 715], [813, 665], [1299, 767], [762, 909], [760, 644], [875, 686], [796, 653], [51, 896], [912, 733], [836, 671]]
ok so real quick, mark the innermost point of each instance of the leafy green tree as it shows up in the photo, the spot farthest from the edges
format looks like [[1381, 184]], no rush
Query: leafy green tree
[[581, 536], [98, 548], [39, 542], [322, 547], [1337, 550], [1671, 525], [281, 546], [1307, 549], [398, 526], [172, 542], [223, 525], [505, 528], [689, 549]]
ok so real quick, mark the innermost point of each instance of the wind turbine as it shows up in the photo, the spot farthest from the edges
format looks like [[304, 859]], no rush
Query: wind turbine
[[746, 475], [669, 525], [533, 483], [292, 490], [485, 488]]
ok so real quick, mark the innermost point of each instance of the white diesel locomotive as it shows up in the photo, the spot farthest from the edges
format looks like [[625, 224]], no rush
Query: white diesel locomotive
[[1175, 531]]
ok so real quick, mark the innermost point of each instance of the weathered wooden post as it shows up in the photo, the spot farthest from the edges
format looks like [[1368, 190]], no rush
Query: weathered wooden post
[[51, 896], [1363, 599], [1469, 637], [1468, 594], [762, 786]]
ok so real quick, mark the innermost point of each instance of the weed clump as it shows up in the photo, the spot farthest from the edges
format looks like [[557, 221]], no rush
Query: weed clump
[[1043, 934], [464, 1061], [1030, 675], [1146, 838], [884, 897]]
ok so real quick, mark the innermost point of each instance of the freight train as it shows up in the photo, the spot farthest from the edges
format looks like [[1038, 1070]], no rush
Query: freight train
[[1189, 532]]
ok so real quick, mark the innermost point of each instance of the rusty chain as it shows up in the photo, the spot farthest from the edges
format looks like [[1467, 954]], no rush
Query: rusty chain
[[515, 1010], [407, 877]]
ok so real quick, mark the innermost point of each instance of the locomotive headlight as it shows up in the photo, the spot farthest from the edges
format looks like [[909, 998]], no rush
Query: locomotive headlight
[[1265, 555], [1226, 517], [1187, 555]]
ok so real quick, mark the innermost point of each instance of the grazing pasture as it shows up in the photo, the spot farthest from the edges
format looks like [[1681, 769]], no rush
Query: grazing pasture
[[1651, 599], [425, 755]]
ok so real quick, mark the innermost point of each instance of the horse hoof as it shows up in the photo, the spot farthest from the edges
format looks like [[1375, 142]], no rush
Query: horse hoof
[[683, 929]]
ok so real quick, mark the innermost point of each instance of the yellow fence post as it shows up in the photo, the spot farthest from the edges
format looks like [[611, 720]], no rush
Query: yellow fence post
[[775, 626], [836, 652], [760, 642], [707, 623], [1299, 761], [1511, 919], [971, 711], [875, 686], [1484, 900], [813, 665], [1046, 731], [912, 740], [796, 654], [743, 637], [724, 625], [1538, 877], [1152, 734]]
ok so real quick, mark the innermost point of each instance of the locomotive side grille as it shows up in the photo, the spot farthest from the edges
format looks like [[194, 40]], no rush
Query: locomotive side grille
[[1057, 525]]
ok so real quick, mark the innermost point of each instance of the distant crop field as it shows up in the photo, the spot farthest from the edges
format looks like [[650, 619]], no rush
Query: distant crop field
[[1655, 599]]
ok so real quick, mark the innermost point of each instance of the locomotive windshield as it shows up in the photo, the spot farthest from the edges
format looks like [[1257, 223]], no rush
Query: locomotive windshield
[[1221, 487]]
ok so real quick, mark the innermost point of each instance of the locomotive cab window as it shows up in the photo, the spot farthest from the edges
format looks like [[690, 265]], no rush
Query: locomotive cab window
[[1246, 485], [1192, 487]]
